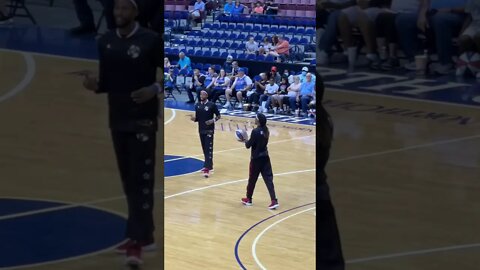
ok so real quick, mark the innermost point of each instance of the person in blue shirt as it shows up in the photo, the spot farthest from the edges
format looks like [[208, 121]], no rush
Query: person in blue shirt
[[238, 8], [196, 13], [306, 93], [184, 62], [228, 8]]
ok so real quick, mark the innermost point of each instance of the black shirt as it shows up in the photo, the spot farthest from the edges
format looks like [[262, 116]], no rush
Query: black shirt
[[203, 112], [258, 142], [127, 64]]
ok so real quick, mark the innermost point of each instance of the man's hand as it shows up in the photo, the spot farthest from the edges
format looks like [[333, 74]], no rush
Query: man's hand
[[90, 81], [193, 118], [209, 122], [144, 94]]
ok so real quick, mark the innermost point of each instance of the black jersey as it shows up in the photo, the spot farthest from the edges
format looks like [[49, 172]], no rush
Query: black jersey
[[258, 142], [127, 64], [203, 112]]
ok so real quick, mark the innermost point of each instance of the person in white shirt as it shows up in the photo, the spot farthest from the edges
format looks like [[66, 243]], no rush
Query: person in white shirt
[[251, 46], [266, 99], [239, 88]]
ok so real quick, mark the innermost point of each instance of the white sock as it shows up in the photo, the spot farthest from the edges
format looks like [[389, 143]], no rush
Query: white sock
[[352, 55]]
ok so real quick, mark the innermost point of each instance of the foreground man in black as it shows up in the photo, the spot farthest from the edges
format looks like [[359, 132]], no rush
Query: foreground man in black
[[128, 62], [329, 250]]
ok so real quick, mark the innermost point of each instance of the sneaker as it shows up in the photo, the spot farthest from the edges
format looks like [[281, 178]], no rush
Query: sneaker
[[134, 255], [206, 173], [412, 66], [390, 64], [273, 205], [148, 246], [203, 170], [247, 201], [227, 105], [239, 105]]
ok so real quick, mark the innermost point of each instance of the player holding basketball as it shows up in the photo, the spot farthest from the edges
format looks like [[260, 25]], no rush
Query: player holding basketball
[[128, 62], [260, 161], [206, 114], [329, 250]]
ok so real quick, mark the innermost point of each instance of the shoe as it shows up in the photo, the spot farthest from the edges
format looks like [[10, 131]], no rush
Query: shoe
[[203, 170], [412, 66], [227, 105], [273, 205], [390, 64], [134, 255], [82, 30], [190, 102], [247, 201], [206, 173], [148, 246], [239, 105]]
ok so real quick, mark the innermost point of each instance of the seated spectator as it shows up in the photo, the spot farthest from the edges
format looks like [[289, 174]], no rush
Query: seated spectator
[[196, 13], [306, 94], [259, 88], [445, 18], [228, 64], [271, 89], [228, 7], [234, 70], [209, 80], [257, 8], [169, 81], [239, 88], [184, 62], [265, 47], [469, 41], [270, 8], [166, 63], [293, 92], [330, 10], [277, 99], [4, 16], [386, 27], [275, 75], [220, 84], [281, 50], [251, 46], [363, 16], [238, 8], [197, 85], [275, 40], [303, 76]]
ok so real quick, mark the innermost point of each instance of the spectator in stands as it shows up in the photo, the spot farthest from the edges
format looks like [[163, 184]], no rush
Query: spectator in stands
[[469, 41], [209, 80], [265, 47], [4, 16], [238, 8], [196, 13], [446, 18], [293, 93], [282, 50], [87, 21], [239, 88], [220, 84], [251, 46], [275, 41], [257, 8], [331, 10], [306, 94], [228, 64], [169, 80], [386, 28], [184, 62], [228, 8], [197, 85], [275, 75], [363, 16], [277, 99], [303, 76], [166, 63], [289, 76], [266, 99], [234, 71], [259, 89], [270, 8]]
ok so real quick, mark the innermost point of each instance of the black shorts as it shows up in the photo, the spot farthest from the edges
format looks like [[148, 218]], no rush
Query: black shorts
[[234, 93]]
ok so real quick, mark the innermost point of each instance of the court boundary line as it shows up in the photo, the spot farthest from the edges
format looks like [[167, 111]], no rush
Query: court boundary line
[[170, 119], [237, 244], [254, 244], [26, 80]]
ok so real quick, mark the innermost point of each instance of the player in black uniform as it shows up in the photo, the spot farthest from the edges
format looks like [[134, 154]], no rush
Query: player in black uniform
[[128, 62], [260, 161], [329, 250], [206, 114]]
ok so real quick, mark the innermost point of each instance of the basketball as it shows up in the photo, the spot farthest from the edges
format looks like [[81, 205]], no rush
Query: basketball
[[241, 135], [470, 62]]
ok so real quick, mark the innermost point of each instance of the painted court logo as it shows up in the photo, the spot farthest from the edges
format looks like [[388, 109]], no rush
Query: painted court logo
[[134, 51]]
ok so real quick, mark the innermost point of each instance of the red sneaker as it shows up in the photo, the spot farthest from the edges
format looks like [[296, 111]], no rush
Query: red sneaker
[[203, 170], [206, 173], [247, 201], [134, 255], [273, 205], [147, 246]]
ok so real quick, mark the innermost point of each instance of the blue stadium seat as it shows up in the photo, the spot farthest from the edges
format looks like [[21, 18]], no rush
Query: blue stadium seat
[[207, 26], [198, 53], [217, 68], [248, 29], [260, 57], [242, 37], [230, 27], [294, 41], [207, 35], [216, 54], [208, 44], [258, 38], [242, 56], [269, 58], [239, 28], [233, 36], [168, 50], [224, 55], [175, 51], [223, 26], [226, 45], [256, 29], [265, 29], [216, 35], [251, 57], [200, 43], [300, 32], [215, 26], [217, 44], [304, 41], [313, 62], [207, 54], [234, 55]]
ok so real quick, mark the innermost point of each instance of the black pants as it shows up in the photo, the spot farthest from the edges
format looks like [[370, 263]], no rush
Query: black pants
[[206, 139], [135, 154], [262, 166], [85, 14], [329, 250], [386, 27], [196, 89]]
